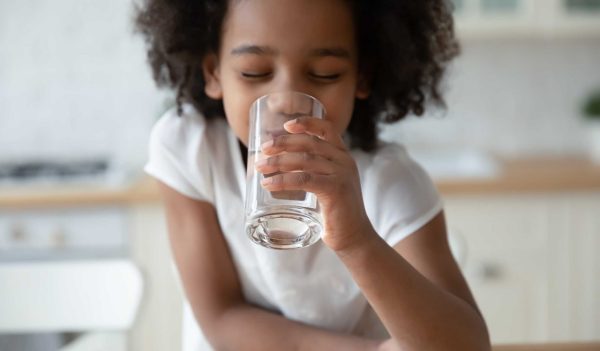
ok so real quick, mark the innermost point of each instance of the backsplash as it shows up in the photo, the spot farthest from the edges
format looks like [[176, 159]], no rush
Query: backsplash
[[74, 83], [512, 97]]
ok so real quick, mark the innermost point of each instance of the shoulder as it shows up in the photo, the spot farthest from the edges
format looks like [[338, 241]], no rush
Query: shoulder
[[176, 131], [387, 163], [398, 193], [180, 149]]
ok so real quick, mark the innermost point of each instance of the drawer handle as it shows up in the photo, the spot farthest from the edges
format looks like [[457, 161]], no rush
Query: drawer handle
[[18, 232]]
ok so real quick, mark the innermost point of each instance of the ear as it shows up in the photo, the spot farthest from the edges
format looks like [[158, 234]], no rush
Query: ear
[[363, 86], [212, 80]]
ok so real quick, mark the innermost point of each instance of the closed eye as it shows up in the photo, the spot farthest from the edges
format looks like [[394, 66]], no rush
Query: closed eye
[[253, 75], [326, 76]]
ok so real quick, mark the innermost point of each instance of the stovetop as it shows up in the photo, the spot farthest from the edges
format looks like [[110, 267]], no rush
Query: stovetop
[[57, 172], [53, 169]]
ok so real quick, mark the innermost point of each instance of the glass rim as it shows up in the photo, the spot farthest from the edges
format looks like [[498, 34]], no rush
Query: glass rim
[[314, 99]]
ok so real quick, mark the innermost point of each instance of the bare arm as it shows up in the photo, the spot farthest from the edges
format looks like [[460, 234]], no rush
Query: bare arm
[[416, 288], [211, 285], [418, 291]]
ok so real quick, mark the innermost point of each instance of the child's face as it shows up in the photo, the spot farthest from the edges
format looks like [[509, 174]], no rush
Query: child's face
[[283, 45]]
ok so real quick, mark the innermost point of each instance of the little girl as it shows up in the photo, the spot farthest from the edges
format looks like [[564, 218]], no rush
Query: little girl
[[382, 277]]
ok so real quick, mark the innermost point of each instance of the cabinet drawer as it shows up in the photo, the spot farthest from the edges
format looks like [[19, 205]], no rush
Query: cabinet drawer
[[53, 233], [499, 223], [506, 261]]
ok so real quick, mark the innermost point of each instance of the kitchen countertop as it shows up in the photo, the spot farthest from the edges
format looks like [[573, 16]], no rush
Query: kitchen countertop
[[550, 347], [532, 175], [142, 191]]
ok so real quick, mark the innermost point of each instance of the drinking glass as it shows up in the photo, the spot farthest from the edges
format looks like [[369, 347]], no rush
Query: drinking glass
[[280, 219]]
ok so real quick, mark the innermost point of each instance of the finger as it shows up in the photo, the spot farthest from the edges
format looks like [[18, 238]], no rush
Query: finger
[[322, 129], [295, 161], [302, 143], [306, 181]]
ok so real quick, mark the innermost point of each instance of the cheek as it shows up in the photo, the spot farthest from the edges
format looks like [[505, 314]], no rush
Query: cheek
[[237, 99], [236, 113], [339, 112]]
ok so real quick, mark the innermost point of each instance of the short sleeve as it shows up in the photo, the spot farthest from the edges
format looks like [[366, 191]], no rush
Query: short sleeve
[[178, 154], [399, 195]]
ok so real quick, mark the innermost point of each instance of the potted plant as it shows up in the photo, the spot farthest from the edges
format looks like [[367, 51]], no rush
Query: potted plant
[[591, 113]]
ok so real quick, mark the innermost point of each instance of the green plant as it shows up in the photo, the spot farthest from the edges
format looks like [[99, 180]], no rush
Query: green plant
[[591, 107]]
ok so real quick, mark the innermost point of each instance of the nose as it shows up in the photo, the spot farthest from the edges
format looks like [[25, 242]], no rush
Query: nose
[[291, 104], [288, 93]]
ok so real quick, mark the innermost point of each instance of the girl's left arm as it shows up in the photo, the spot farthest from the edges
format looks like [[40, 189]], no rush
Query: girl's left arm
[[418, 291], [415, 287]]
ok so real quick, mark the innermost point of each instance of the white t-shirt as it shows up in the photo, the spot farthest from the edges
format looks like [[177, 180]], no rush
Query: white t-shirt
[[201, 159]]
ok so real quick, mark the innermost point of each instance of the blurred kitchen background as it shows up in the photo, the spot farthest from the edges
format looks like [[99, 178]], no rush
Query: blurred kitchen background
[[84, 260]]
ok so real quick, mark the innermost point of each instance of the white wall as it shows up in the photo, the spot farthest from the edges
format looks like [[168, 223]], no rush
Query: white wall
[[513, 97], [73, 80]]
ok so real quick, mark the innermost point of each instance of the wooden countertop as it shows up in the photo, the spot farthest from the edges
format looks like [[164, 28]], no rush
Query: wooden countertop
[[142, 191], [595, 346], [517, 175], [531, 175]]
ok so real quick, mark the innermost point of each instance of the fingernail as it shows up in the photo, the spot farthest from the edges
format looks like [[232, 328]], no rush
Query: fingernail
[[291, 122], [294, 125], [260, 163], [267, 144], [266, 181]]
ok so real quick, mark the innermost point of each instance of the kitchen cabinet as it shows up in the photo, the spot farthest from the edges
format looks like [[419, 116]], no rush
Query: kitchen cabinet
[[158, 324], [527, 239], [54, 234], [570, 17], [531, 262], [506, 261], [65, 275], [82, 222], [486, 19], [530, 259], [578, 219], [489, 18]]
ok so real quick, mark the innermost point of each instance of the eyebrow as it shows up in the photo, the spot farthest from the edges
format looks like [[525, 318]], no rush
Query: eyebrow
[[338, 52], [335, 52], [253, 49]]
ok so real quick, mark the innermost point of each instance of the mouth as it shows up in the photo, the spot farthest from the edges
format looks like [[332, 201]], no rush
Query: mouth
[[293, 115]]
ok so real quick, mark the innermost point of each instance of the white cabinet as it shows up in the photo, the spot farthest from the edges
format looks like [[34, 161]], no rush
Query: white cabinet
[[489, 18], [570, 17], [527, 18], [158, 324], [577, 287], [506, 262], [531, 263]]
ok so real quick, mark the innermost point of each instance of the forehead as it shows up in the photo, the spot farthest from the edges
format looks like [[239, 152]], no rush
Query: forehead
[[289, 25]]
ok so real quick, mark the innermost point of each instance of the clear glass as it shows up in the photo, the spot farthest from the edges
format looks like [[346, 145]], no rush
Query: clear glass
[[280, 219]]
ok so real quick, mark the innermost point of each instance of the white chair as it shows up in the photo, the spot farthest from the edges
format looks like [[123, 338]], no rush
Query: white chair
[[97, 298]]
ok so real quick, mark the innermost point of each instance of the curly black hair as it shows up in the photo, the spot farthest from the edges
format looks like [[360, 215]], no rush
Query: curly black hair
[[403, 45]]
